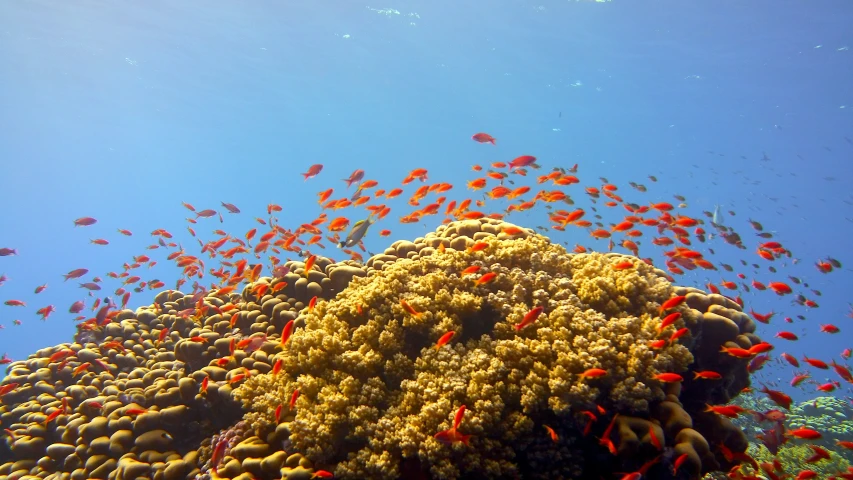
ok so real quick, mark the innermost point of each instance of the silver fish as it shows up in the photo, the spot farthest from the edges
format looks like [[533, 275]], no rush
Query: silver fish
[[717, 218], [357, 232]]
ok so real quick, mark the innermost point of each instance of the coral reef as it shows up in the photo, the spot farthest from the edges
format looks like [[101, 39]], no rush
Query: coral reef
[[829, 415], [372, 389], [793, 457]]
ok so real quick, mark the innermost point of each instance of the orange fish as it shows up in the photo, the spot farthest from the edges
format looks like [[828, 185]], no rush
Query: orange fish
[[308, 264], [593, 373], [529, 318], [780, 288], [410, 308], [522, 161], [313, 170], [477, 247], [483, 138], [285, 333], [551, 433], [444, 339], [778, 397], [669, 320], [707, 375], [486, 278], [7, 388], [354, 177], [84, 222], [804, 433], [668, 377], [737, 352], [293, 398], [672, 303], [730, 411], [52, 415], [786, 335]]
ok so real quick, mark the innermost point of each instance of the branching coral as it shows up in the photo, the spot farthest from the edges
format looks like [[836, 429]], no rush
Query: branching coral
[[373, 391]]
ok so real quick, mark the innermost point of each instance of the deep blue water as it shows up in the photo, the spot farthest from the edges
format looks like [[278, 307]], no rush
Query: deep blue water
[[122, 110]]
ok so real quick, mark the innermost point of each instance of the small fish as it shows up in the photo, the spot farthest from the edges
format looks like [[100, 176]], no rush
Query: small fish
[[804, 433], [286, 331], [668, 377], [230, 207], [410, 308], [717, 217], [357, 232], [5, 252], [444, 339], [483, 138], [522, 161], [593, 373], [84, 222], [672, 303], [707, 375], [77, 273], [529, 318], [309, 264], [486, 278], [293, 398], [313, 170], [778, 397], [730, 411], [354, 177], [551, 433]]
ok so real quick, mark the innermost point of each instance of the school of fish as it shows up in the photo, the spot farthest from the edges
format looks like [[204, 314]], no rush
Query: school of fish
[[685, 242]]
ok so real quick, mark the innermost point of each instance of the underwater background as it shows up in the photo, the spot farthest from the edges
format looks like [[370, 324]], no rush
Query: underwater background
[[121, 111]]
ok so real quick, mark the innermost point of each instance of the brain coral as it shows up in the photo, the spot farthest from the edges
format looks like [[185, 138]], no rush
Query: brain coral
[[368, 388], [373, 391]]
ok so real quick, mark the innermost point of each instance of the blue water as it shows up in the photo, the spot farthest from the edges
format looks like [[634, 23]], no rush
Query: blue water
[[122, 110]]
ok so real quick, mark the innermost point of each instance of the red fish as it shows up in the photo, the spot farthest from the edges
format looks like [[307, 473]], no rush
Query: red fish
[[486, 278], [286, 331], [46, 311], [593, 373], [790, 359], [829, 328], [786, 335], [707, 375], [780, 288], [668, 377], [529, 318], [804, 433], [230, 207], [672, 303], [522, 161], [354, 177], [778, 397], [84, 221], [410, 309], [313, 170], [444, 339], [816, 363], [77, 273], [483, 138]]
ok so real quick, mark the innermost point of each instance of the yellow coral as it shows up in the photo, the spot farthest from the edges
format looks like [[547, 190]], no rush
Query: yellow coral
[[374, 391]]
